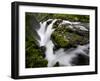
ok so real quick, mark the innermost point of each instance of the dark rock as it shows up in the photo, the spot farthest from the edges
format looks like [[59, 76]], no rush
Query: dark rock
[[81, 60], [43, 49], [57, 64]]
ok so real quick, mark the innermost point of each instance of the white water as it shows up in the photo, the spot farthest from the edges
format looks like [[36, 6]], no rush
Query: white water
[[61, 56], [74, 25], [66, 57], [44, 33]]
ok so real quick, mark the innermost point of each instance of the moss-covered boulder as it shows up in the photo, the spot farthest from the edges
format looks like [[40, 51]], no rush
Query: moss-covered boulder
[[66, 37]]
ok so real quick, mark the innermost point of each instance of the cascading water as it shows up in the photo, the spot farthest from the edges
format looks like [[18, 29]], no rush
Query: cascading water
[[64, 58], [45, 35]]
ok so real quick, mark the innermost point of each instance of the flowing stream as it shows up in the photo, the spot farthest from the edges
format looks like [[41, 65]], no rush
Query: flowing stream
[[63, 57]]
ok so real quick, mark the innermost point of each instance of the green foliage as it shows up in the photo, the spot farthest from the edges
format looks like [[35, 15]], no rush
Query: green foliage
[[71, 17], [34, 56]]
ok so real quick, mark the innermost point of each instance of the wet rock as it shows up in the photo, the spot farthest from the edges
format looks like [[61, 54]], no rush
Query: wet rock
[[81, 60], [57, 64], [66, 37], [56, 24], [43, 49]]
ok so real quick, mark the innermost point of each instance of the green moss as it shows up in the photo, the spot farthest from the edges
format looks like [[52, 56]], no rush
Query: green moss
[[34, 58], [60, 40], [65, 37], [71, 17], [34, 55]]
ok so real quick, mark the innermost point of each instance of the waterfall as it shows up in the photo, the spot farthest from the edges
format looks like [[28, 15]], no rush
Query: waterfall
[[45, 34], [63, 57]]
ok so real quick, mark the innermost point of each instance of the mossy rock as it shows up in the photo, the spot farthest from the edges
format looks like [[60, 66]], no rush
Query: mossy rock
[[34, 58], [34, 55], [65, 37], [60, 40]]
